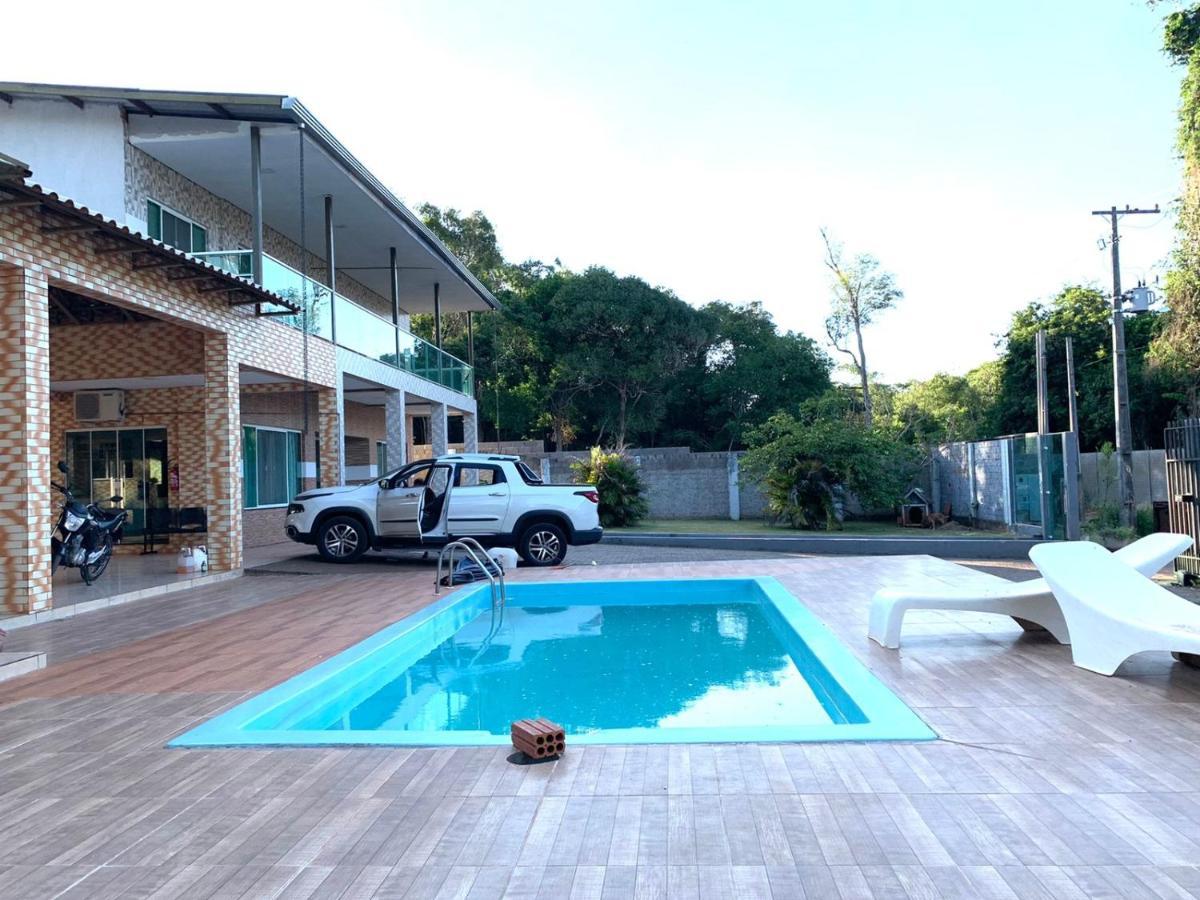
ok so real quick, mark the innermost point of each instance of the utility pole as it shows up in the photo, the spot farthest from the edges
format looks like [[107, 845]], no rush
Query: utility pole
[[1072, 406], [1043, 394], [1043, 410], [1120, 375]]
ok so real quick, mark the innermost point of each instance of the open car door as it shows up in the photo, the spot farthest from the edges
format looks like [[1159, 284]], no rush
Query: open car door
[[401, 503]]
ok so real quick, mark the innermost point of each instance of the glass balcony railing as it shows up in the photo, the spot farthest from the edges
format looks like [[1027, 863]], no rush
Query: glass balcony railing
[[358, 329]]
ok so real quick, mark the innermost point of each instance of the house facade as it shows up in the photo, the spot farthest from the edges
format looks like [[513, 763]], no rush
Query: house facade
[[205, 304]]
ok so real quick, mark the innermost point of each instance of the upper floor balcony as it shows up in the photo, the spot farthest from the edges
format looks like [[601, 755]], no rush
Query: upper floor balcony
[[335, 318]]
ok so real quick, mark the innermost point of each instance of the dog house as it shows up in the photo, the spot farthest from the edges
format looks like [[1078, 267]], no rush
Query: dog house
[[914, 509]]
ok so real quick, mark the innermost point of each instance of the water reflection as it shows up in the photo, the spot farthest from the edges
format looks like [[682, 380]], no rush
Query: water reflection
[[600, 667]]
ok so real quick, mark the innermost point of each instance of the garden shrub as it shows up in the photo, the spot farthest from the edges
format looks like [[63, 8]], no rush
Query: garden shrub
[[808, 469], [622, 494]]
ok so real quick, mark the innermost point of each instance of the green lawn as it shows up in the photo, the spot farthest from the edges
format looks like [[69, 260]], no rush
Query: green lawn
[[759, 527]]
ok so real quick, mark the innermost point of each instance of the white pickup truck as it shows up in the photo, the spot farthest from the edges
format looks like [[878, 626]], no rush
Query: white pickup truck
[[495, 499]]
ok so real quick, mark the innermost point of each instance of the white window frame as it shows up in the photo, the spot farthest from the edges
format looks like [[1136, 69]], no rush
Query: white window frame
[[177, 214], [299, 462]]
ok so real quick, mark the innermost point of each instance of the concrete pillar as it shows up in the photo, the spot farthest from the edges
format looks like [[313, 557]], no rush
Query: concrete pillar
[[438, 430], [25, 464], [735, 497], [329, 423], [339, 434], [397, 429], [470, 432], [223, 454]]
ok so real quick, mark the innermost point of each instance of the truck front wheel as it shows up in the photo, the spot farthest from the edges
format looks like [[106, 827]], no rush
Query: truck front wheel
[[341, 539]]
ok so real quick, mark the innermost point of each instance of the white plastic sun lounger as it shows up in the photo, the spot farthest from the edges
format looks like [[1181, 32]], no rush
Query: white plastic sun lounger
[[1029, 600], [1111, 610]]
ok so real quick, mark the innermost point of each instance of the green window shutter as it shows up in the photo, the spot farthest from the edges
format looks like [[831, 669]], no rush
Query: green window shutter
[[199, 239], [250, 466], [154, 220], [293, 451]]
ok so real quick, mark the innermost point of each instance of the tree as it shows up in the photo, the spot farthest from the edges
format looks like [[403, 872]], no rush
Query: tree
[[623, 340], [746, 372], [861, 291], [949, 407], [808, 467], [1175, 353]]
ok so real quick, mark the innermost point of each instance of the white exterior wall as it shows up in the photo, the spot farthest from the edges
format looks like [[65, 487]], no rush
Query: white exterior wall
[[78, 153]]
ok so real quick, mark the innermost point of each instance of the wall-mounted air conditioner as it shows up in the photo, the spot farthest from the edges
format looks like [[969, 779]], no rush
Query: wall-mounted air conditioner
[[99, 406]]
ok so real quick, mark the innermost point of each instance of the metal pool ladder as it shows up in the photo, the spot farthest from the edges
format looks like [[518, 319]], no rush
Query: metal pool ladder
[[473, 549]]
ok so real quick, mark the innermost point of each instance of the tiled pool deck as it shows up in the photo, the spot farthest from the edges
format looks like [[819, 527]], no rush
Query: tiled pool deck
[[1049, 781]]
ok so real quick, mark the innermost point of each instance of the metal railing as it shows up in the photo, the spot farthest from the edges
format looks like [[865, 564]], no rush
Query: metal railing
[[357, 328], [477, 555]]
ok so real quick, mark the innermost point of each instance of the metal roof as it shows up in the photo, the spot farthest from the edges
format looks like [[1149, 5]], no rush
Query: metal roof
[[206, 277], [253, 108]]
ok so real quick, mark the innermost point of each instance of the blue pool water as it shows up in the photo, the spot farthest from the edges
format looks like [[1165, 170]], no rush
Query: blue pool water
[[688, 660]]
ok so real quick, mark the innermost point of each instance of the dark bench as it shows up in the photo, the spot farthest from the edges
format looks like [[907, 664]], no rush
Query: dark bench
[[163, 522]]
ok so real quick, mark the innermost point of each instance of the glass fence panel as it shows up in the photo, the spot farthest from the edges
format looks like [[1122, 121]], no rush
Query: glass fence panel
[[235, 262], [311, 296], [358, 329], [364, 332]]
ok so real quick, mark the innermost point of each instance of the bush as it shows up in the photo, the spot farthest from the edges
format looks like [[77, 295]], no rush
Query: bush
[[1145, 521], [807, 469], [1103, 525], [622, 496]]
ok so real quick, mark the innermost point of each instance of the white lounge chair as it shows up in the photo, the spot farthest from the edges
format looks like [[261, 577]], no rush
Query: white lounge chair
[[1111, 610], [1029, 600]]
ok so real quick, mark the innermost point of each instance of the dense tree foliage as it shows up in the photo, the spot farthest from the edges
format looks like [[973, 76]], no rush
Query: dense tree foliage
[[586, 358], [1176, 349], [809, 465]]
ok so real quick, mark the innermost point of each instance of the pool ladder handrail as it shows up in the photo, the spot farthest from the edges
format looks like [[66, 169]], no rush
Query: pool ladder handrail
[[479, 556]]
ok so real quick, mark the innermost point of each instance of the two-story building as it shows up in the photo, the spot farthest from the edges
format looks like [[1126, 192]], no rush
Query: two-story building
[[204, 308]]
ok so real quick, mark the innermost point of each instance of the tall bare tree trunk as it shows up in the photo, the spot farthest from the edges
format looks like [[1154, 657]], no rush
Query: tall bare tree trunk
[[862, 374]]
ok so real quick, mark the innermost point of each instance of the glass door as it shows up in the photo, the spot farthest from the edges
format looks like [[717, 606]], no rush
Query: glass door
[[128, 462]]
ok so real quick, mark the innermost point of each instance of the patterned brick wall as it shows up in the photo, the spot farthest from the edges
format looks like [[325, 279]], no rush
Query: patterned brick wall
[[365, 421], [223, 453], [127, 350], [24, 439]]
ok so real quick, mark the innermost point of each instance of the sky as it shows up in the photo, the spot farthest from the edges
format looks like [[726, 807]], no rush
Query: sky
[[702, 145]]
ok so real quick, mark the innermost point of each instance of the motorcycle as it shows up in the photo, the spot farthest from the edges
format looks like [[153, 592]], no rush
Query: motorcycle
[[84, 535]]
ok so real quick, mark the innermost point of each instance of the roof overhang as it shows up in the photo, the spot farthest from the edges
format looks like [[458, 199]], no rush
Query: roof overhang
[[60, 215], [205, 136]]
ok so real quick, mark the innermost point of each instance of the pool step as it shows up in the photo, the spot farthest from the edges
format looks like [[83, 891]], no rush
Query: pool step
[[22, 662], [539, 738]]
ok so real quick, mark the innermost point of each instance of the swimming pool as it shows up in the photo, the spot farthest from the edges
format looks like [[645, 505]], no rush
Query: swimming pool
[[713, 660]]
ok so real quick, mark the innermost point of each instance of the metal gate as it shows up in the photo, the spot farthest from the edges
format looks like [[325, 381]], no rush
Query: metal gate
[[1183, 490]]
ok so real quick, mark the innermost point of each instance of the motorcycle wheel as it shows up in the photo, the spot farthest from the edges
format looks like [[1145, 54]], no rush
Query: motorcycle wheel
[[55, 555], [91, 572]]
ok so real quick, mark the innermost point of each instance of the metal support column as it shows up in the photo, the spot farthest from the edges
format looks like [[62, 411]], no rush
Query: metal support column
[[256, 206], [437, 315], [395, 285], [470, 338], [330, 264]]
